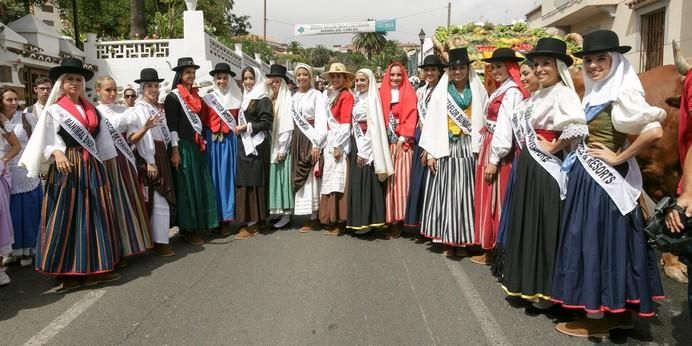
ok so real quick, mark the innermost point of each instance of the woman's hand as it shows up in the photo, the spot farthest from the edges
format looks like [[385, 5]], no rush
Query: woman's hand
[[490, 171], [152, 171], [361, 162], [280, 157], [399, 149], [315, 155], [240, 129], [423, 158], [175, 158], [63, 165], [153, 121], [337, 153], [602, 152], [432, 164]]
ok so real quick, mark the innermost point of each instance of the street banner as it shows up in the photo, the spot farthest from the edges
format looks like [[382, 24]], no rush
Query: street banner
[[343, 28]]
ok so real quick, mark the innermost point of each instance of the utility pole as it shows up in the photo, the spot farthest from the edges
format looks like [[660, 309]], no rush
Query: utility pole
[[449, 14], [265, 20], [75, 25]]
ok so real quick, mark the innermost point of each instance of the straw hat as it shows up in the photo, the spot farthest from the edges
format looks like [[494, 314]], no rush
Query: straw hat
[[338, 67]]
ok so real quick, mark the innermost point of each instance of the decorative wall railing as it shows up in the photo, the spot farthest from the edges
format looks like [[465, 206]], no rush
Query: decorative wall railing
[[132, 49]]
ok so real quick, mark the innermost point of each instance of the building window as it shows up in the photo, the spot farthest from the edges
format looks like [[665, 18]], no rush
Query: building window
[[49, 22], [653, 25], [5, 74], [47, 8]]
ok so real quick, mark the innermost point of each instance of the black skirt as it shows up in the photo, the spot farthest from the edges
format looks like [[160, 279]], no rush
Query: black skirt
[[365, 194], [534, 225]]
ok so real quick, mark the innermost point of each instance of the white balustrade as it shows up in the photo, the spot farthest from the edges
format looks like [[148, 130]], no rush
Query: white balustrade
[[132, 49]]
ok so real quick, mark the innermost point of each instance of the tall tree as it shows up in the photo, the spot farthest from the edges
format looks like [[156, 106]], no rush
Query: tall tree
[[319, 56], [238, 25], [370, 42], [138, 26], [295, 47]]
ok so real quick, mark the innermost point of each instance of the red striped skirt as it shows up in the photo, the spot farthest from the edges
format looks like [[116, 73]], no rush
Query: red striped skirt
[[488, 199], [397, 186]]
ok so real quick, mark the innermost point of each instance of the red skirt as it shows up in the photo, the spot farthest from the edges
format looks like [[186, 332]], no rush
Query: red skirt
[[488, 199]]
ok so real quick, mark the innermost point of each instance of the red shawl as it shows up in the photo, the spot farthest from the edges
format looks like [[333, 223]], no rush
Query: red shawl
[[407, 99], [89, 120], [514, 73]]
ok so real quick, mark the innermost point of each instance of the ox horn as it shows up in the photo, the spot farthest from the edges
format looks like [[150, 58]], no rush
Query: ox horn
[[577, 38], [680, 62]]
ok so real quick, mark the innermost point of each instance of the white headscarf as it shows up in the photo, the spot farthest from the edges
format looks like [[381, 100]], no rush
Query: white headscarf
[[376, 129], [307, 68], [35, 160], [566, 77], [232, 96], [259, 90], [283, 119], [631, 114], [620, 77], [434, 135]]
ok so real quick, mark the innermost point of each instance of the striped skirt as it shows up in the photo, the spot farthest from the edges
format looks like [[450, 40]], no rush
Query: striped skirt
[[77, 224], [133, 232], [397, 185], [489, 197], [448, 200]]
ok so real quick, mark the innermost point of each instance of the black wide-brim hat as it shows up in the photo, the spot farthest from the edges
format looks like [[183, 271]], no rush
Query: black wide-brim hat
[[552, 47], [277, 70], [70, 65], [432, 60], [504, 54], [185, 62], [601, 41], [222, 67], [459, 56], [148, 75]]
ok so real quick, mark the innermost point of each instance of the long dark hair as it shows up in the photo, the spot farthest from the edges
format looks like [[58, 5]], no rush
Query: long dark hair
[[251, 105]]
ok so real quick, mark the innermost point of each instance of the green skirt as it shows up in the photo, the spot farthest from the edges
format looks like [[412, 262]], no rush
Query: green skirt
[[194, 190], [280, 191]]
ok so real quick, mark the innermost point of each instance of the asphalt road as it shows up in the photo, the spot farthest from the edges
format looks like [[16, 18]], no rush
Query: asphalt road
[[284, 288]]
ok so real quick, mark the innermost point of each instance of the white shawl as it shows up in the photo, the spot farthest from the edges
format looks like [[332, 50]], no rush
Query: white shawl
[[377, 130], [283, 119], [434, 133]]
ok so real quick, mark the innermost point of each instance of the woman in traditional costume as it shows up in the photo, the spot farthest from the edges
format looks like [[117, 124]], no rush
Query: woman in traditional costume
[[496, 153], [195, 197], [220, 117], [133, 230], [153, 161], [309, 113], [452, 118], [26, 192], [334, 196], [252, 169], [70, 143], [371, 163], [604, 264], [433, 68], [10, 147], [399, 108], [280, 191], [553, 119], [529, 81]]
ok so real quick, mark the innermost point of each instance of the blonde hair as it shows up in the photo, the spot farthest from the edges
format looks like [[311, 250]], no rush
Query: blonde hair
[[100, 80]]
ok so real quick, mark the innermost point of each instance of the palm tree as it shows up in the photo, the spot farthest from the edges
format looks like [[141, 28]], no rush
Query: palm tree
[[320, 55], [295, 47], [370, 42], [137, 22]]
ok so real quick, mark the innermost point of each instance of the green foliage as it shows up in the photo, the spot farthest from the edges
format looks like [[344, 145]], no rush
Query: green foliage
[[11, 10], [370, 42], [390, 53], [295, 47], [282, 59], [167, 23], [238, 25], [318, 56]]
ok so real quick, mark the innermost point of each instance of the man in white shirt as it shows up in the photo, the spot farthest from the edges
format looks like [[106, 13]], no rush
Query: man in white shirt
[[42, 90]]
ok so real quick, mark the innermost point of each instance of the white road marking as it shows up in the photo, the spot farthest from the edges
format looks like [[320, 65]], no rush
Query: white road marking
[[66, 318], [485, 318], [410, 282]]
